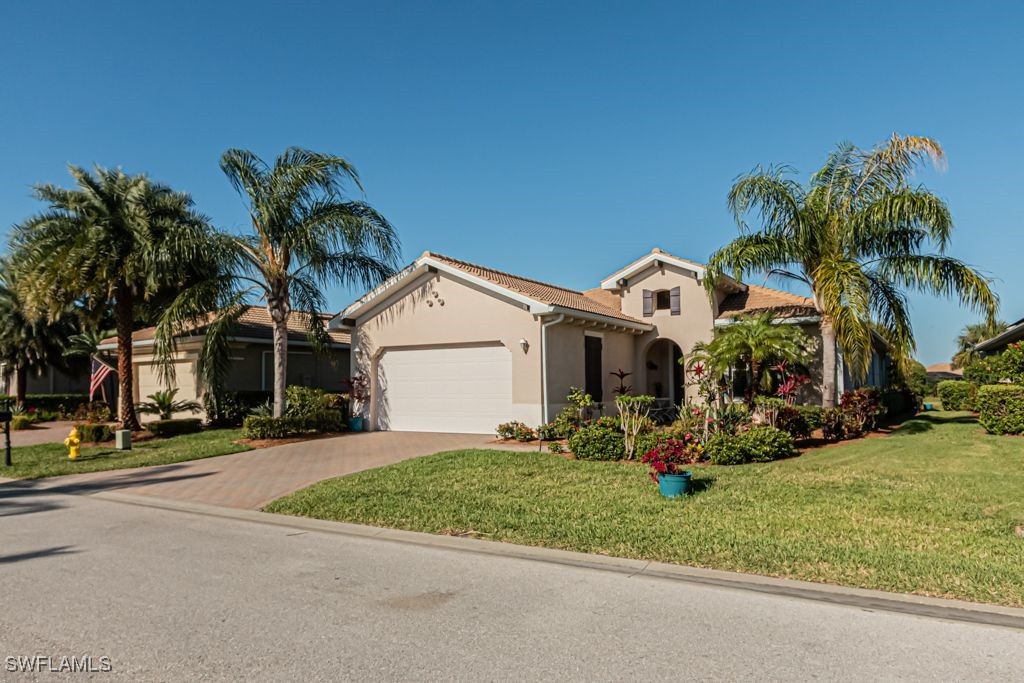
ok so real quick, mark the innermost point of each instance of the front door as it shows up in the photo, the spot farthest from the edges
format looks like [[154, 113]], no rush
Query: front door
[[593, 370]]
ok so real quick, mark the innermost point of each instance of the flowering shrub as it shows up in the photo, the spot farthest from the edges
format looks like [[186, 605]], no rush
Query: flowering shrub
[[671, 456], [515, 430]]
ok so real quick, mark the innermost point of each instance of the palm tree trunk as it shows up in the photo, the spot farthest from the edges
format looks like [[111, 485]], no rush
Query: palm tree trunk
[[123, 309], [20, 385], [280, 317], [828, 363]]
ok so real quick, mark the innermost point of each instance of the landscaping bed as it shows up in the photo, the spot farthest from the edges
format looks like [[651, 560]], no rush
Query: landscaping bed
[[49, 460], [931, 509]]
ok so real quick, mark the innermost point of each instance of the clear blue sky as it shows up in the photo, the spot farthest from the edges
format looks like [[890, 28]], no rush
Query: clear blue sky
[[555, 140]]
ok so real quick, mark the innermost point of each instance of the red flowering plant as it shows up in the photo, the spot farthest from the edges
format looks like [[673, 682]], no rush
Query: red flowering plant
[[671, 456]]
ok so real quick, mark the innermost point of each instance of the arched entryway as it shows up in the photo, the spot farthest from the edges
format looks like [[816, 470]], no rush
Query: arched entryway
[[664, 371]]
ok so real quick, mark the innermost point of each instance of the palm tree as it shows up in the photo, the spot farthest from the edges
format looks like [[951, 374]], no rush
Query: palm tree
[[754, 342], [858, 235], [165, 404], [114, 241], [29, 341], [305, 236], [971, 336]]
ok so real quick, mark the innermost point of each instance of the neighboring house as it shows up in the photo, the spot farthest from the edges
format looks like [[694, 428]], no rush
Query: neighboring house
[[450, 346], [1014, 333], [940, 371], [252, 358], [52, 380]]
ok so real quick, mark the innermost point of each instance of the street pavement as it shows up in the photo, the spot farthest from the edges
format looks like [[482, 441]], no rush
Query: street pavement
[[169, 595]]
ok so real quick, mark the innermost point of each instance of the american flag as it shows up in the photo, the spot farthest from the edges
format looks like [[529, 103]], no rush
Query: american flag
[[100, 370]]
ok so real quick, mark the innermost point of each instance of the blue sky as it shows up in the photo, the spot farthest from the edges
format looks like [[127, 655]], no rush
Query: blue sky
[[554, 140]]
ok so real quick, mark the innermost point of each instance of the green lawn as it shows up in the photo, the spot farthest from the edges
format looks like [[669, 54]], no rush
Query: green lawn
[[49, 460], [930, 509]]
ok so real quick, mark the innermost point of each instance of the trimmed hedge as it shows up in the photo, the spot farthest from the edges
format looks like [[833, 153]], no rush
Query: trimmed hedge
[[760, 444], [53, 402], [957, 394], [167, 428], [1001, 408], [323, 421], [93, 433], [603, 440]]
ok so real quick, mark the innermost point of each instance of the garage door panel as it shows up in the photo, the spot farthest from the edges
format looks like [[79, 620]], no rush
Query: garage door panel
[[451, 389]]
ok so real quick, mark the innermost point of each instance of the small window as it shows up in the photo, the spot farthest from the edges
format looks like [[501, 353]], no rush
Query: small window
[[662, 300]]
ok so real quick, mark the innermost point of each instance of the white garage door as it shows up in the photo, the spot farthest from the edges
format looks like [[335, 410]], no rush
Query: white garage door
[[465, 389]]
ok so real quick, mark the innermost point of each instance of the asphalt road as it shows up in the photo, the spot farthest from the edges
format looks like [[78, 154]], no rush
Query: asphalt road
[[173, 596]]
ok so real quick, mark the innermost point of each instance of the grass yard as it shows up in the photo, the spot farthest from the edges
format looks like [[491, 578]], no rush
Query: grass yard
[[930, 509], [51, 459]]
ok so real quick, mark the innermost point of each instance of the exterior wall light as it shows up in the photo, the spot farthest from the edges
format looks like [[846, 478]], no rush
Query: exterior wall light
[[524, 345]]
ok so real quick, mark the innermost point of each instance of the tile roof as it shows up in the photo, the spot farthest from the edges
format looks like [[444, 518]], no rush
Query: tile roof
[[539, 291], [759, 299], [944, 369], [603, 296], [255, 323]]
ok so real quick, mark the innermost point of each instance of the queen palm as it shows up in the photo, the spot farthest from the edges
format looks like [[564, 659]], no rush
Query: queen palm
[[305, 236], [114, 241], [971, 336], [859, 235], [29, 341], [756, 342]]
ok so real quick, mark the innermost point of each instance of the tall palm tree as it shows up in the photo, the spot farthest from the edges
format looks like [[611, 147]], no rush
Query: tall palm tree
[[754, 342], [114, 241], [305, 236], [859, 235], [29, 341], [971, 336]]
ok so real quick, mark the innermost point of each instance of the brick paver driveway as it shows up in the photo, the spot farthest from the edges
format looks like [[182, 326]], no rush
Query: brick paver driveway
[[254, 478], [44, 432]]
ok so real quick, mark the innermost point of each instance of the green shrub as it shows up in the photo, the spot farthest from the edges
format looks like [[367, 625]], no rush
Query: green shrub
[[599, 440], [304, 401], [725, 449], [765, 444], [794, 422], [833, 424], [556, 447], [54, 403], [811, 415], [1001, 408], [898, 402], [166, 428], [95, 433], [983, 371], [261, 427], [20, 422], [957, 394], [1011, 364], [759, 444], [327, 420], [230, 408], [862, 407]]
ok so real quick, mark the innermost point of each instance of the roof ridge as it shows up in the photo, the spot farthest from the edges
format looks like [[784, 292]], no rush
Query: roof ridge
[[780, 291], [502, 272]]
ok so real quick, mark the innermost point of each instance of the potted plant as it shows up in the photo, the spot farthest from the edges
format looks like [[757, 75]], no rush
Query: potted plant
[[668, 461], [358, 394]]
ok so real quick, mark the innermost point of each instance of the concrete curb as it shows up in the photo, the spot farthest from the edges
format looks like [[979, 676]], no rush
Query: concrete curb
[[935, 608]]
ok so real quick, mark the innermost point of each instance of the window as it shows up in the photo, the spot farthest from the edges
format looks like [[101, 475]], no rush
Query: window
[[662, 300]]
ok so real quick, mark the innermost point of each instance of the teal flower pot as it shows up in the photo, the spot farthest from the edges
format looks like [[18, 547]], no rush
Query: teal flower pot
[[355, 424], [674, 485]]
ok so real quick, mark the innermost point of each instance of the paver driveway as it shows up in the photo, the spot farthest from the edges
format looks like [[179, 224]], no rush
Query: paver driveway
[[254, 478], [45, 432]]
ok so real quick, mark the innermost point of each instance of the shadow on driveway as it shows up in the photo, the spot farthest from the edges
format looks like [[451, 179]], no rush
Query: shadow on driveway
[[36, 554]]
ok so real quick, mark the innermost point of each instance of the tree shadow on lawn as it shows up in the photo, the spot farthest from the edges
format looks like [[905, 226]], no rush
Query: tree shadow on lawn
[[924, 422]]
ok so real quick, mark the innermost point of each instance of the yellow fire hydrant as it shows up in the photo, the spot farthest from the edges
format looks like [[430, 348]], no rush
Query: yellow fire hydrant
[[72, 442]]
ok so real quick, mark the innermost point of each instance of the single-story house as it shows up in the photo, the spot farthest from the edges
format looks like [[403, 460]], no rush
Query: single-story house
[[252, 357], [451, 346], [74, 379], [1014, 333], [941, 371]]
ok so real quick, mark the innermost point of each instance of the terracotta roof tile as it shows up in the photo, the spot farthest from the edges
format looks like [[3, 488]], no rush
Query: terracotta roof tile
[[255, 323], [604, 297], [539, 291], [759, 299]]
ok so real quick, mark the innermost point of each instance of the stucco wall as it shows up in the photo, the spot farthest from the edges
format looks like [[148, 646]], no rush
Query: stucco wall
[[566, 363], [416, 317], [694, 323]]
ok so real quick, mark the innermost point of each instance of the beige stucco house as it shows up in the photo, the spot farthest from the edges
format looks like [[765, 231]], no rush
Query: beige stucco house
[[251, 358], [450, 346]]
